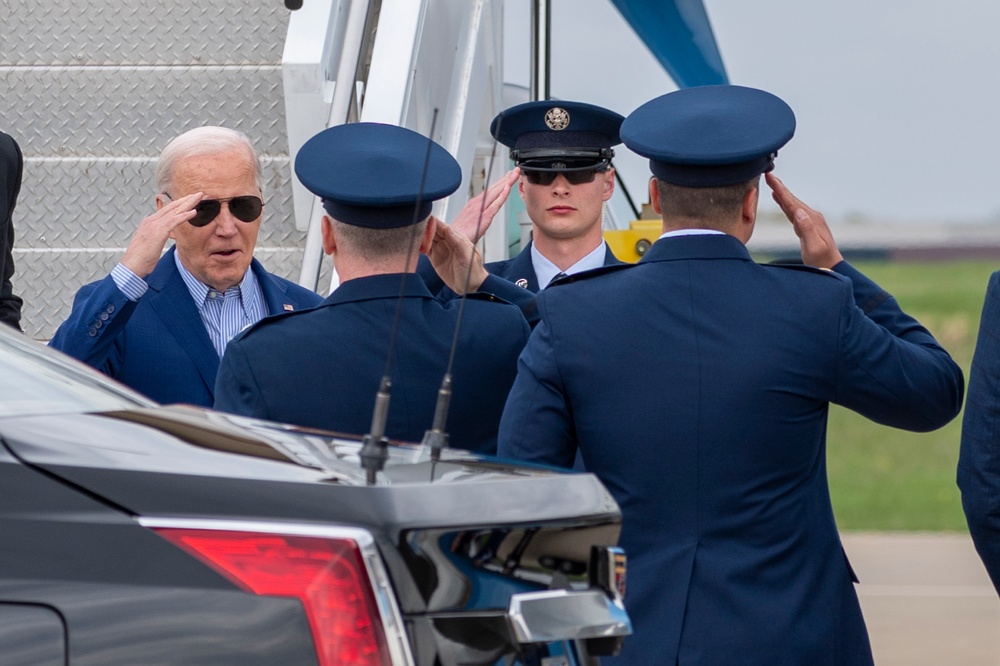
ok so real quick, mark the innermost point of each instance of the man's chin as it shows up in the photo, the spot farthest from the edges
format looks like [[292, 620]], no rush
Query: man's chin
[[229, 277]]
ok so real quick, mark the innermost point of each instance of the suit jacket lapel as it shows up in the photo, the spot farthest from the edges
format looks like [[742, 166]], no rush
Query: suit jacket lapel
[[170, 299], [521, 268], [275, 294], [609, 257]]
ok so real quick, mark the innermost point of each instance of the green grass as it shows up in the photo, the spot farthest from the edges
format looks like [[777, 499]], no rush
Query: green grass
[[887, 479]]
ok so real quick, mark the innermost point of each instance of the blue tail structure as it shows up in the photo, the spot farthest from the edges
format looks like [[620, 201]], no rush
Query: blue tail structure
[[680, 36]]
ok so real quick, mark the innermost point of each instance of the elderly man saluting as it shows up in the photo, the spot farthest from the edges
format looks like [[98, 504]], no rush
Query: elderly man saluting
[[160, 322], [713, 438]]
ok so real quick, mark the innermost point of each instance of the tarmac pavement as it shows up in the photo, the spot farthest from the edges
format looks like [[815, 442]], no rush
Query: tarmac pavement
[[926, 599]]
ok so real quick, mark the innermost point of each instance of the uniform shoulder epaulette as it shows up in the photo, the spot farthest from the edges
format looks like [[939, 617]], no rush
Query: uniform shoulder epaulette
[[267, 321], [803, 267], [486, 296], [593, 272]]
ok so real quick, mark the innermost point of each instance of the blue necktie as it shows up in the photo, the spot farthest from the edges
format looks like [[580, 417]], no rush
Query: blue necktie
[[558, 276]]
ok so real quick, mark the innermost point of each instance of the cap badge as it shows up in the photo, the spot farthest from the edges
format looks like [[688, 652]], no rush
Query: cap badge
[[557, 119]]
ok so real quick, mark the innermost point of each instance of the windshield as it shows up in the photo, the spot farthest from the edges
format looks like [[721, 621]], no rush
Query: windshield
[[37, 380]]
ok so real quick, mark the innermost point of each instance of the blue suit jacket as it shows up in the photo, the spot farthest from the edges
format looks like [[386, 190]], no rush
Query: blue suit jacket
[[697, 383], [979, 460], [322, 368], [158, 345]]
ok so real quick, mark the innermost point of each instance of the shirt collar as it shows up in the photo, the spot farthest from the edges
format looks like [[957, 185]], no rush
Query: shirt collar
[[545, 270], [199, 290], [692, 232]]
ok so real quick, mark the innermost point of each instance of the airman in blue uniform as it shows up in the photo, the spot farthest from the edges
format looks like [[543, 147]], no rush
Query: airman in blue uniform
[[979, 459], [322, 367], [697, 385], [563, 150]]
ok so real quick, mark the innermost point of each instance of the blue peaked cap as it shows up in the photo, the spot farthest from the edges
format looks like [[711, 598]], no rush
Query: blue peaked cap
[[374, 175], [710, 136], [569, 135]]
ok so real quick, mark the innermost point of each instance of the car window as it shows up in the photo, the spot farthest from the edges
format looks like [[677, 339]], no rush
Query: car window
[[37, 380]]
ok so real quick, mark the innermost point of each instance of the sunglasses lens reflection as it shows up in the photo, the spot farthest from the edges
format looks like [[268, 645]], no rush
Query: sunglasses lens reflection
[[245, 209], [205, 212], [572, 177]]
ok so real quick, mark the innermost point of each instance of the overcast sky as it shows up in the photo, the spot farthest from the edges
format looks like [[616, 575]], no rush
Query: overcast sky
[[896, 100]]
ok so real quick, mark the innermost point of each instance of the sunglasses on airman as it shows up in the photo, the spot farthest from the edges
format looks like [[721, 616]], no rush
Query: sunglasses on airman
[[245, 208], [572, 177]]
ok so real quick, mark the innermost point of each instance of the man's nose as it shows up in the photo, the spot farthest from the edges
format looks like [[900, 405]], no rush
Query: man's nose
[[560, 185], [225, 221]]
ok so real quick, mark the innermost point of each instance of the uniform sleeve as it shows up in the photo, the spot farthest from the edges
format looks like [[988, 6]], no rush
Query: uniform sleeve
[[93, 331], [524, 299], [537, 423], [425, 269], [892, 370], [236, 389], [979, 459]]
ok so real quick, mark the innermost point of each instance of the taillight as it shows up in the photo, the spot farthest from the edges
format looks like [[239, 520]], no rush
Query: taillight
[[327, 575]]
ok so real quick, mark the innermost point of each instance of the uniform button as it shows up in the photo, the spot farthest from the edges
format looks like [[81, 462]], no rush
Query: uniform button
[[98, 324], [111, 308], [92, 332], [104, 316]]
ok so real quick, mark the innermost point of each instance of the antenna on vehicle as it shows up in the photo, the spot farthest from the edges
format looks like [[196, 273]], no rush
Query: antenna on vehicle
[[437, 437], [374, 449]]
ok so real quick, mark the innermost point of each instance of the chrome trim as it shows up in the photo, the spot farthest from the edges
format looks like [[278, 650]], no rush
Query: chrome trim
[[609, 568], [392, 621], [556, 615]]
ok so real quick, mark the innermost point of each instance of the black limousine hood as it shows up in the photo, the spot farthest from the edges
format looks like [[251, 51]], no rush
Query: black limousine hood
[[184, 461]]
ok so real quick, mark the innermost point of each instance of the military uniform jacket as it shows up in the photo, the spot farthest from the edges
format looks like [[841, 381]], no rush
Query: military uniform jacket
[[521, 271], [322, 368], [696, 384], [979, 460], [513, 280], [158, 345]]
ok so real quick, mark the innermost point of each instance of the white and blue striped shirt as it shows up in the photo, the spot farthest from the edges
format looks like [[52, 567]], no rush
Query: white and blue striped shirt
[[223, 314]]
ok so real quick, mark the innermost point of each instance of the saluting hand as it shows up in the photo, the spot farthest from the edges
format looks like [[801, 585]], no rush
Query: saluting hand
[[151, 236], [476, 215], [818, 247], [451, 254]]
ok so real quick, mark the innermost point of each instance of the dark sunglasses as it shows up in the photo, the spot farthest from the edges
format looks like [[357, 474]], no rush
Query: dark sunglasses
[[572, 177], [246, 208]]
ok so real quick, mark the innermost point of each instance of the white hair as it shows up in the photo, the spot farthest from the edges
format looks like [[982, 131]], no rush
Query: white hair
[[207, 140]]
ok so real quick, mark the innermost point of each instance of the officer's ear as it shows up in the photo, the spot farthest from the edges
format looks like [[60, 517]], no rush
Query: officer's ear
[[654, 196], [427, 239], [748, 211], [329, 239], [609, 184]]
